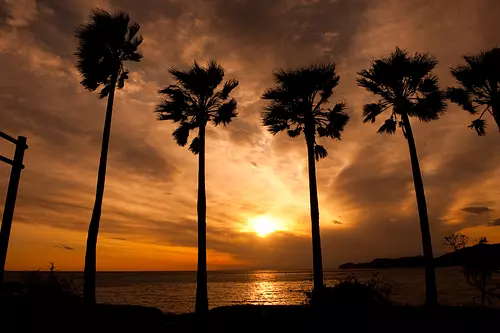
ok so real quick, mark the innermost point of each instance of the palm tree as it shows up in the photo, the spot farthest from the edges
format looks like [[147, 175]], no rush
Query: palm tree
[[406, 87], [299, 105], [192, 102], [103, 45], [479, 78]]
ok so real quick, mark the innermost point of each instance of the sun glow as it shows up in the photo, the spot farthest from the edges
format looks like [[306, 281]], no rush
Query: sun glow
[[264, 225]]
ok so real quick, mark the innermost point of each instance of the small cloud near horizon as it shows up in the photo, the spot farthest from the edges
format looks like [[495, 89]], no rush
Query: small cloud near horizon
[[477, 209], [64, 247], [495, 223]]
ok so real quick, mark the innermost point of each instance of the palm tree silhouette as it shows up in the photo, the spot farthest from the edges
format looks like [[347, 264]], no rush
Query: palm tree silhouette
[[192, 103], [406, 87], [298, 104], [103, 45], [479, 78]]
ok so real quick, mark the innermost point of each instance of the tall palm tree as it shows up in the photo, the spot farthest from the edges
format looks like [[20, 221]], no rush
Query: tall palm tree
[[103, 45], [479, 79], [298, 105], [193, 102], [406, 88]]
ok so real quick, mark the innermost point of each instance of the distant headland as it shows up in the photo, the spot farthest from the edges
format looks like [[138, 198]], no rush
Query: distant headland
[[457, 258]]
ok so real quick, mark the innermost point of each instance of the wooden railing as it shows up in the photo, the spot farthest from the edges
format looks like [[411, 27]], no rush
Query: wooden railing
[[10, 200]]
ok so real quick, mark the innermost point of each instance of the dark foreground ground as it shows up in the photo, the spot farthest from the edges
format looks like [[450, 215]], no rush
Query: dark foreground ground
[[112, 318]]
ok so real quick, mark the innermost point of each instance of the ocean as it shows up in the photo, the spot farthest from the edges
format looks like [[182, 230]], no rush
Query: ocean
[[175, 291]]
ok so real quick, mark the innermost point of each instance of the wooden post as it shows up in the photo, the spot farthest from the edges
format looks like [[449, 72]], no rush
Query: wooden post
[[10, 201]]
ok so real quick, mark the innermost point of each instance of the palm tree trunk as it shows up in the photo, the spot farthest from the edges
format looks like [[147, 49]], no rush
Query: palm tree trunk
[[90, 254], [201, 307], [430, 274], [316, 238]]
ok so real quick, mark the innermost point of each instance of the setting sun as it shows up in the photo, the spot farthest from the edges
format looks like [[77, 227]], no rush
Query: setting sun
[[264, 225]]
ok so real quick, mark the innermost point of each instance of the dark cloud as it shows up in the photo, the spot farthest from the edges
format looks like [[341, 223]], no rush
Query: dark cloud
[[155, 9], [495, 222], [64, 247], [368, 183], [289, 26], [478, 210], [143, 159], [337, 222]]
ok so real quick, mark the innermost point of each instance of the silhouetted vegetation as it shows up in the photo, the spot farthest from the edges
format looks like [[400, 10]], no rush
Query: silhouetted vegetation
[[481, 240], [193, 102], [478, 274], [479, 262], [103, 45], [352, 293], [479, 92], [407, 88], [299, 104], [41, 288], [456, 241]]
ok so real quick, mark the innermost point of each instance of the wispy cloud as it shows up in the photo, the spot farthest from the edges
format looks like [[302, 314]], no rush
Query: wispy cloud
[[64, 247]]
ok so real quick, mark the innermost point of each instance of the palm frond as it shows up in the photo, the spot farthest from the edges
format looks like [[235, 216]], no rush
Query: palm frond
[[337, 120], [479, 79], [214, 74], [371, 111], [194, 147], [462, 98], [200, 81], [320, 152], [388, 127], [405, 84], [479, 125], [228, 88], [431, 102], [276, 118], [297, 102], [103, 44], [193, 101], [177, 105], [293, 133], [226, 112], [121, 79], [181, 134], [105, 91]]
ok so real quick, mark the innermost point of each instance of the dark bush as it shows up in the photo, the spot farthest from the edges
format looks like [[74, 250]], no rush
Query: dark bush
[[41, 287], [352, 293]]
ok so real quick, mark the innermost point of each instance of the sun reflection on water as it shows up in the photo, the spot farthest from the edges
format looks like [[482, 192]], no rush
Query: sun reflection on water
[[265, 289]]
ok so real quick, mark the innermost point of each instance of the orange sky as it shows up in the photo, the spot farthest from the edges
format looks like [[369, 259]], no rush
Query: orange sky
[[149, 210]]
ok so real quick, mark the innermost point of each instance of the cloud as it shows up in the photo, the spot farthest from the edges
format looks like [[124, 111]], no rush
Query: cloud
[[65, 247], [495, 223], [478, 210]]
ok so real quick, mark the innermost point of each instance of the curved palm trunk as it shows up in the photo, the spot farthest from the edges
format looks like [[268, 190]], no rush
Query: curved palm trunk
[[90, 254], [201, 307], [316, 238], [431, 298]]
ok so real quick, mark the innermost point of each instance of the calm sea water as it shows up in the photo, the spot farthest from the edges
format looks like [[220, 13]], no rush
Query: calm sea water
[[175, 291]]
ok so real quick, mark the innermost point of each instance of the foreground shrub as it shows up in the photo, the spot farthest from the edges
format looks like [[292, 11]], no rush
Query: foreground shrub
[[38, 287], [352, 293]]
